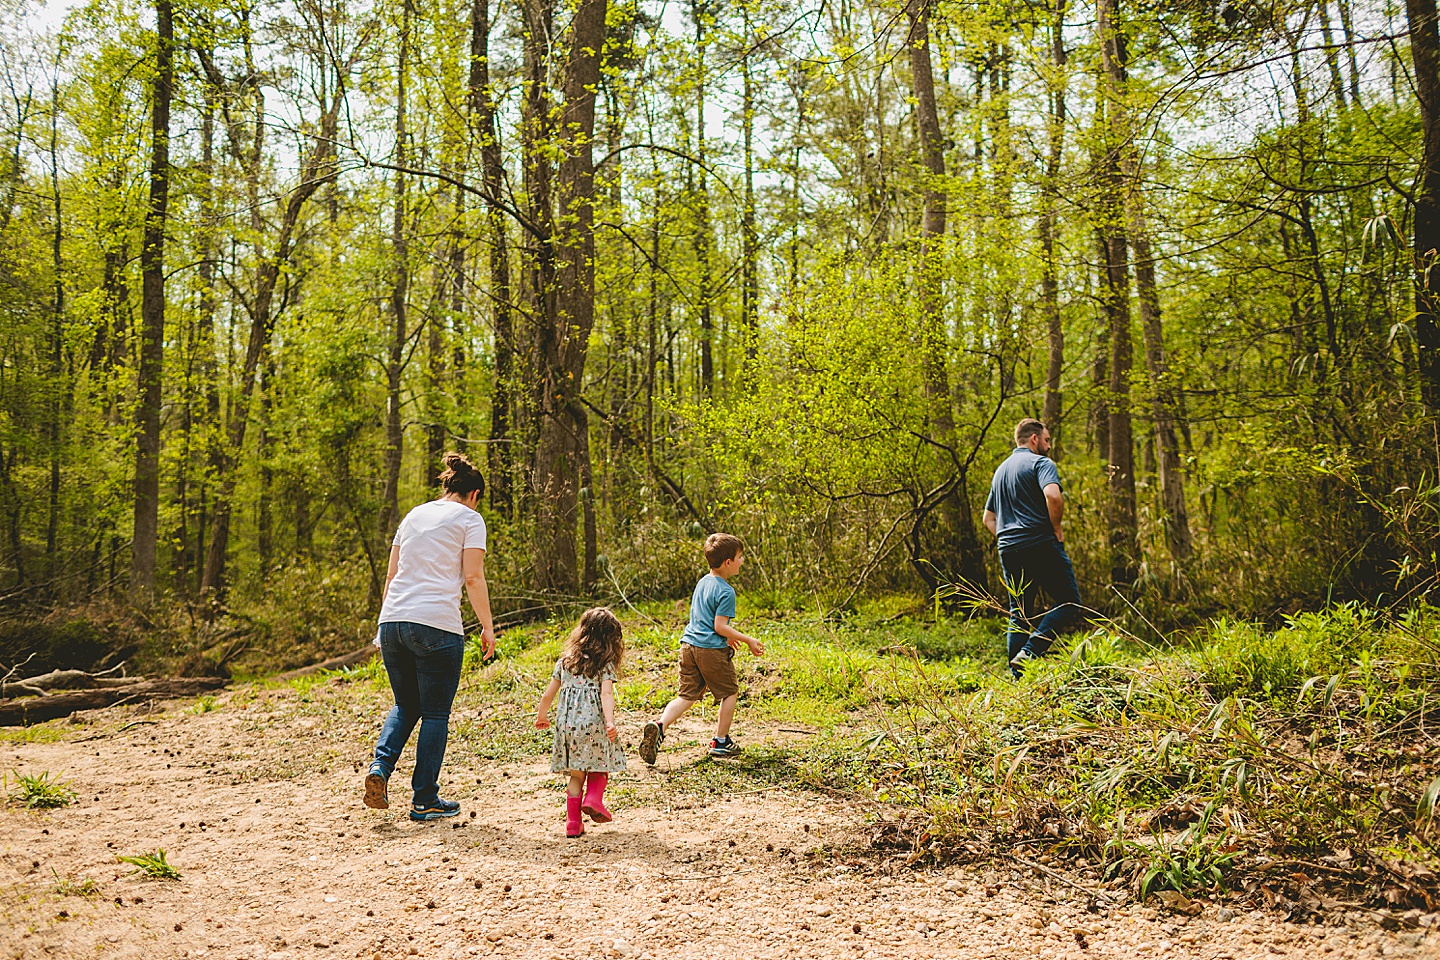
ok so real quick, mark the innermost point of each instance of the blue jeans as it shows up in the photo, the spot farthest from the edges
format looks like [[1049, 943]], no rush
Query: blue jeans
[[1029, 570], [424, 667]]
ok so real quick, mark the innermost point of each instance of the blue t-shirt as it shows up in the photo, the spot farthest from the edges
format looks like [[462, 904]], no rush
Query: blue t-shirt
[[713, 597], [1017, 499]]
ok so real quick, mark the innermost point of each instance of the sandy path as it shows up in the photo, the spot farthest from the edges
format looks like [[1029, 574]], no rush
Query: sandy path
[[258, 804]]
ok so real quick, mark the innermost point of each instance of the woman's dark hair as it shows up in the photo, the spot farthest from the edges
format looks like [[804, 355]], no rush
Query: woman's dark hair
[[460, 475], [596, 644]]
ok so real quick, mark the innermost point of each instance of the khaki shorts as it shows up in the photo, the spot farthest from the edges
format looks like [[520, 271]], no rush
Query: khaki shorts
[[706, 668]]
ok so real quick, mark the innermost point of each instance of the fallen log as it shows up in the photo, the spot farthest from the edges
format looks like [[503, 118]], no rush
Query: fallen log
[[23, 711], [74, 680], [334, 663]]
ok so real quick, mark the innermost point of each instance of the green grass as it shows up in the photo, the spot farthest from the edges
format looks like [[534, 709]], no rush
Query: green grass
[[1176, 768], [41, 792], [65, 887], [51, 732], [153, 865]]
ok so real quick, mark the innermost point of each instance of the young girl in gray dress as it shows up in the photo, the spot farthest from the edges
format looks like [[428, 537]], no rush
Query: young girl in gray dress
[[585, 734]]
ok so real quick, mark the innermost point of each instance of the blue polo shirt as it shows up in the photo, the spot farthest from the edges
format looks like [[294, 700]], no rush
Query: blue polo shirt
[[713, 597], [1017, 498]]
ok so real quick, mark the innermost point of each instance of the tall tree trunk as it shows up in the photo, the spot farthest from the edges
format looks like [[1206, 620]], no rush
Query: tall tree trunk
[[1172, 475], [963, 540], [932, 225], [317, 169], [399, 298], [1425, 50], [750, 238], [1347, 26], [698, 11], [1116, 298], [499, 453], [1332, 56], [1050, 276], [264, 506], [152, 323], [57, 339], [561, 450], [537, 148], [205, 319]]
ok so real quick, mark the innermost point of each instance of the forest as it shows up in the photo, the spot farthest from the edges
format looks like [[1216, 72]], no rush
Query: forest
[[790, 271]]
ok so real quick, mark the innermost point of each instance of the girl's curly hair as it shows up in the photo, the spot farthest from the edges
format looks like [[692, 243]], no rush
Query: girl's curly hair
[[596, 644]]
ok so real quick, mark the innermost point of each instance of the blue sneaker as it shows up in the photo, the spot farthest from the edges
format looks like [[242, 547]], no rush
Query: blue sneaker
[[438, 810], [376, 795], [724, 748]]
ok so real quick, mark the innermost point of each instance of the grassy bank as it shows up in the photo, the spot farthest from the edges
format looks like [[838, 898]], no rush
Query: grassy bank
[[1296, 764]]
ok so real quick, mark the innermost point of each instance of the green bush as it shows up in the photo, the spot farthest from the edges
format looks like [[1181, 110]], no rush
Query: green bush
[[1243, 659]]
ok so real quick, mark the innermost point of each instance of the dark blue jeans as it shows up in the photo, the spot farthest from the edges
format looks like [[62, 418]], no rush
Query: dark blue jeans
[[1030, 570], [424, 667]]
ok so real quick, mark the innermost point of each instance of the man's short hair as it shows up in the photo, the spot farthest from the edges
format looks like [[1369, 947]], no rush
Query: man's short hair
[[1027, 428], [720, 547]]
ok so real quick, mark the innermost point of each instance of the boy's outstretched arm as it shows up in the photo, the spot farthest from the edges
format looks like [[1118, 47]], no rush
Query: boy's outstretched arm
[[542, 712], [735, 637]]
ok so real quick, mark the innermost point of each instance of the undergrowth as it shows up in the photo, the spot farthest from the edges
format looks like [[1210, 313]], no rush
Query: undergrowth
[[1281, 762]]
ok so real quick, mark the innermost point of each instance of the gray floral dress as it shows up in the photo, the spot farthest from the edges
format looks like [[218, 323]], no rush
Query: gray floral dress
[[580, 741]]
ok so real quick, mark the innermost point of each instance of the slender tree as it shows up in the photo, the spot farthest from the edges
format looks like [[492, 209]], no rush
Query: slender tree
[[1115, 283], [481, 104], [1050, 199], [1425, 51], [152, 312]]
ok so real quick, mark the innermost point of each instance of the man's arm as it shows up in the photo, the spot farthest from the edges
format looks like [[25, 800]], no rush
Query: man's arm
[[989, 520], [1055, 503], [735, 637]]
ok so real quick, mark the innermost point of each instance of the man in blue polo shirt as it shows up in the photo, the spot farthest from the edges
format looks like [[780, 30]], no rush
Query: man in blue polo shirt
[[1023, 511]]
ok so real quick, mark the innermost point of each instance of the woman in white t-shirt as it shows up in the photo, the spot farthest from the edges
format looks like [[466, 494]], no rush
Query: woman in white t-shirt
[[438, 551]]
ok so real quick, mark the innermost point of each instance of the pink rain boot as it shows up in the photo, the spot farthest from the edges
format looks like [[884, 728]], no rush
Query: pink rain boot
[[594, 805], [573, 825]]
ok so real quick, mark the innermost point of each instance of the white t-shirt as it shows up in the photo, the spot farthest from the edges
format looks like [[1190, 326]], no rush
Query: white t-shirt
[[431, 576]]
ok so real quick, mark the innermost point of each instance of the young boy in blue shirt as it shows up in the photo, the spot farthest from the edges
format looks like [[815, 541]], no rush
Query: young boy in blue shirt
[[707, 650]]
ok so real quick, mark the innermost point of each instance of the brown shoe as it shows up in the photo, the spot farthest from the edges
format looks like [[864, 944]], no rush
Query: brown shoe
[[376, 797]]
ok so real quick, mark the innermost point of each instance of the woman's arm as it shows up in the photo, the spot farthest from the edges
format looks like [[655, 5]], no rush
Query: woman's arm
[[473, 563], [542, 712], [394, 569], [607, 704]]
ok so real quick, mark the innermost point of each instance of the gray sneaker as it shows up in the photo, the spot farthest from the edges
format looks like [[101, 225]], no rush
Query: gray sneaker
[[1018, 661], [724, 748]]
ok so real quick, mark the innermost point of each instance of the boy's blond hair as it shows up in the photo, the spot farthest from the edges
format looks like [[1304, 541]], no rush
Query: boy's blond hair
[[720, 547]]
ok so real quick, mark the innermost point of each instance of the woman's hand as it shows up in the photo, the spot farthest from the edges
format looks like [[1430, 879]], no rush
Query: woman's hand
[[542, 722], [487, 642], [611, 731]]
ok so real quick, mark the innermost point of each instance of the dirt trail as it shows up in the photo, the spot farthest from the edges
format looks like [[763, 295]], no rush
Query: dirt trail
[[259, 807]]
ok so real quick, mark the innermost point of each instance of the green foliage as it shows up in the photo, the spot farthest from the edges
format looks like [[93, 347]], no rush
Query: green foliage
[[41, 791], [153, 865], [65, 887], [1173, 768]]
